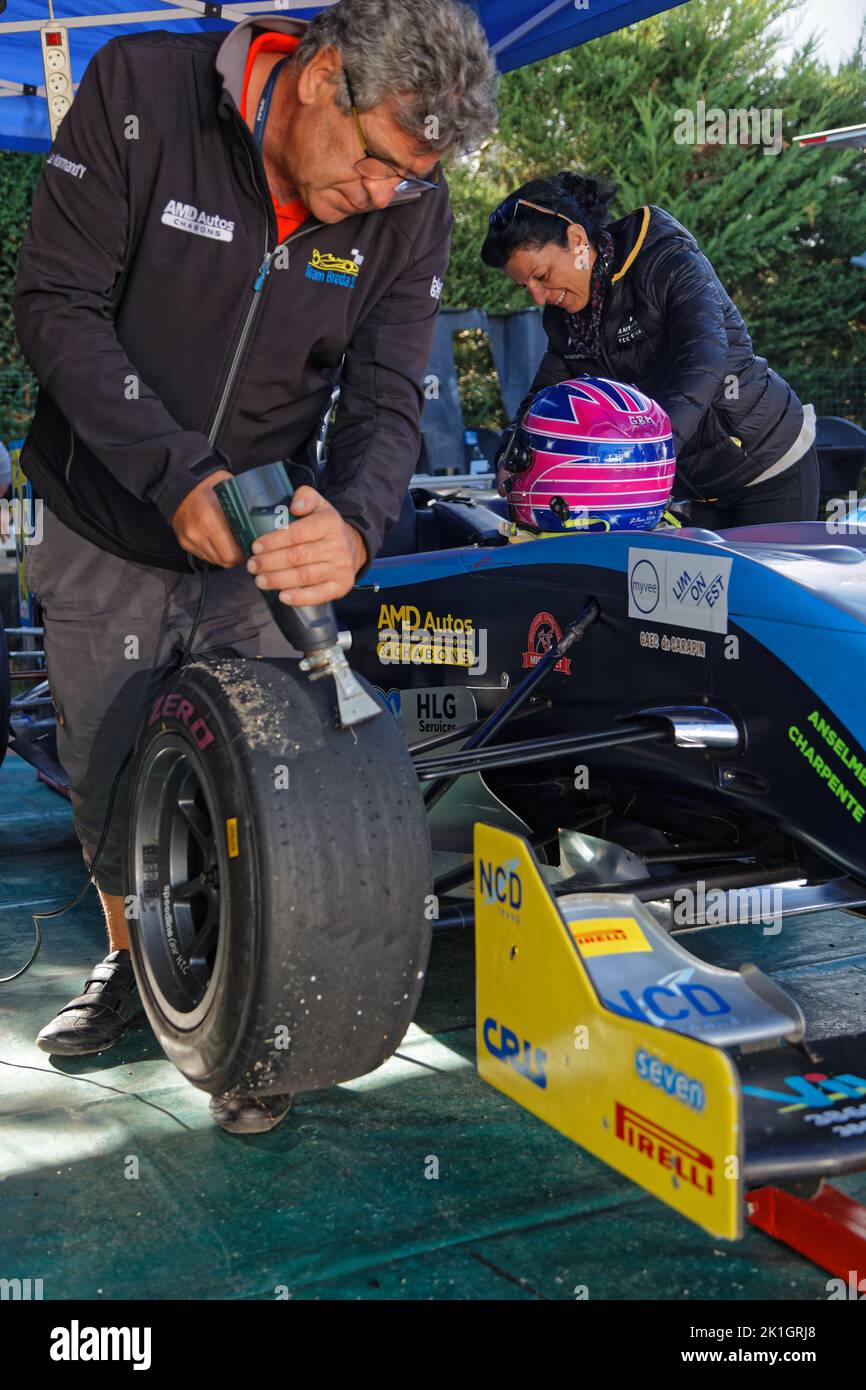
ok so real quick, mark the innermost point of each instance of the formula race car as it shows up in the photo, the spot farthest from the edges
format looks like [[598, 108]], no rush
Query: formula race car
[[650, 731], [695, 701]]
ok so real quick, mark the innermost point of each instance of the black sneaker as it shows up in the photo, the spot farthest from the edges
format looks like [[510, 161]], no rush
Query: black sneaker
[[99, 1016], [249, 1114]]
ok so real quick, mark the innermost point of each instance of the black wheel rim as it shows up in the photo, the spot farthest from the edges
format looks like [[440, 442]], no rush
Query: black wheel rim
[[178, 864]]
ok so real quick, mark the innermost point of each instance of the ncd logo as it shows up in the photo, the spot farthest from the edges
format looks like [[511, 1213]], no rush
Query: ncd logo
[[500, 885], [504, 1044]]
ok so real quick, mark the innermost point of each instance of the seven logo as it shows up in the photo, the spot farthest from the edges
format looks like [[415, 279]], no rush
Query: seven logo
[[676, 1083]]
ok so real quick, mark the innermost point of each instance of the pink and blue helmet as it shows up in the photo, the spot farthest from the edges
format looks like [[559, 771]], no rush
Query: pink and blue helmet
[[591, 455]]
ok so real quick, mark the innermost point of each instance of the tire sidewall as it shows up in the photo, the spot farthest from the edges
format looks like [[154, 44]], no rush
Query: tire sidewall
[[204, 1051]]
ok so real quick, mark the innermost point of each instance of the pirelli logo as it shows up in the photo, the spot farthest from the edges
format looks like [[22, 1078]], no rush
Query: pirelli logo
[[661, 1146], [590, 938], [608, 936]]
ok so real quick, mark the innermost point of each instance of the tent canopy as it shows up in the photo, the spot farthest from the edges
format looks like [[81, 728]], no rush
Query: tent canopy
[[519, 31]]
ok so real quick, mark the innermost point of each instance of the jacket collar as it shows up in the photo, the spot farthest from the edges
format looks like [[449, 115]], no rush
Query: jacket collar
[[637, 241], [231, 59]]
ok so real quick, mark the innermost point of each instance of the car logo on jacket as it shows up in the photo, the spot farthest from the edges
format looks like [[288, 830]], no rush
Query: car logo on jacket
[[329, 269]]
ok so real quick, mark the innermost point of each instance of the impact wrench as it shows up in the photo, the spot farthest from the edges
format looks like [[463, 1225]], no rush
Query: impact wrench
[[256, 502]]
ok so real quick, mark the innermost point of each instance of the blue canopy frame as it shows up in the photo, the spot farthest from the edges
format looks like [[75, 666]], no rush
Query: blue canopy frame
[[519, 31]]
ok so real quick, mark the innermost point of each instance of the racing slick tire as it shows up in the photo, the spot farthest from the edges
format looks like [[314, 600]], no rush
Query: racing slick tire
[[277, 878]]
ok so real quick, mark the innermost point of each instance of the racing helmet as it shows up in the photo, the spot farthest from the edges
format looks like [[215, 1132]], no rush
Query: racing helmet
[[590, 455]]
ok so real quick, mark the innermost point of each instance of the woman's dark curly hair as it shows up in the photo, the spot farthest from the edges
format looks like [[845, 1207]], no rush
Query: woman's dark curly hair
[[581, 197]]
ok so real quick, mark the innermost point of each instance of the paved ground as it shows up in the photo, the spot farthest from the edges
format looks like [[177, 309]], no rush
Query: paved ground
[[335, 1202]]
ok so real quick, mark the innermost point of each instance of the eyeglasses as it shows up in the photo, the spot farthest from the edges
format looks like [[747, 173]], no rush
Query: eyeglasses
[[372, 167], [499, 216]]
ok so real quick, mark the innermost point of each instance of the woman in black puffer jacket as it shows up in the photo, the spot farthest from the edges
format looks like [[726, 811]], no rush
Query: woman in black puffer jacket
[[636, 300]]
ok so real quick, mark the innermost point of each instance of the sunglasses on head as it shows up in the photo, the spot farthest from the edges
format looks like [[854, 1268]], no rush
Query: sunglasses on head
[[504, 214]]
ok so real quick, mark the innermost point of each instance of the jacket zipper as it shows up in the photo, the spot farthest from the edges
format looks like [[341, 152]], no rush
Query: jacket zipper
[[261, 276]]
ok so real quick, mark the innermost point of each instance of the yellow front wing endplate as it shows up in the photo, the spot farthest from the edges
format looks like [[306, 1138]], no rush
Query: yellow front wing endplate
[[661, 1108]]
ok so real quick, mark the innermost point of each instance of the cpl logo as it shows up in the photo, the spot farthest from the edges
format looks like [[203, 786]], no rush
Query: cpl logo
[[500, 884], [504, 1044], [645, 587]]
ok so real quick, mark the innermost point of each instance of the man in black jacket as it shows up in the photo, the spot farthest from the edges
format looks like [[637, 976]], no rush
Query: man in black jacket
[[223, 225]]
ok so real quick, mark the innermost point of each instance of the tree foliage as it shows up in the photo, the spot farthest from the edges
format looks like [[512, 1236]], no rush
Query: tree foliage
[[19, 175], [780, 229]]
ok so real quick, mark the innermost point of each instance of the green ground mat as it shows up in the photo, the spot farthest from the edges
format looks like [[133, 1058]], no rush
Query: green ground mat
[[339, 1202]]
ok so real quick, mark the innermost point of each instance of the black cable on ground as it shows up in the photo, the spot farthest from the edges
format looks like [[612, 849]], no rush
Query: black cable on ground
[[102, 1085]]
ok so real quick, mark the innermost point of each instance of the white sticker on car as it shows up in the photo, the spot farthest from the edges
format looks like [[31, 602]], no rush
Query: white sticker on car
[[686, 590], [431, 712]]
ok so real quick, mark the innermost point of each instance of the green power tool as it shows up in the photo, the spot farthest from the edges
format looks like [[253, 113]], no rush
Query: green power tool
[[259, 501]]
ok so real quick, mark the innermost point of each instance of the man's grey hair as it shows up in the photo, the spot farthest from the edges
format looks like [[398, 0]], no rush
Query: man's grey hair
[[432, 59]]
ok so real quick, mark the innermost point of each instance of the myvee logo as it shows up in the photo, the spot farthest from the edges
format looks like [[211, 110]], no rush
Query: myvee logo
[[696, 587], [644, 586], [77, 1343], [186, 217]]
